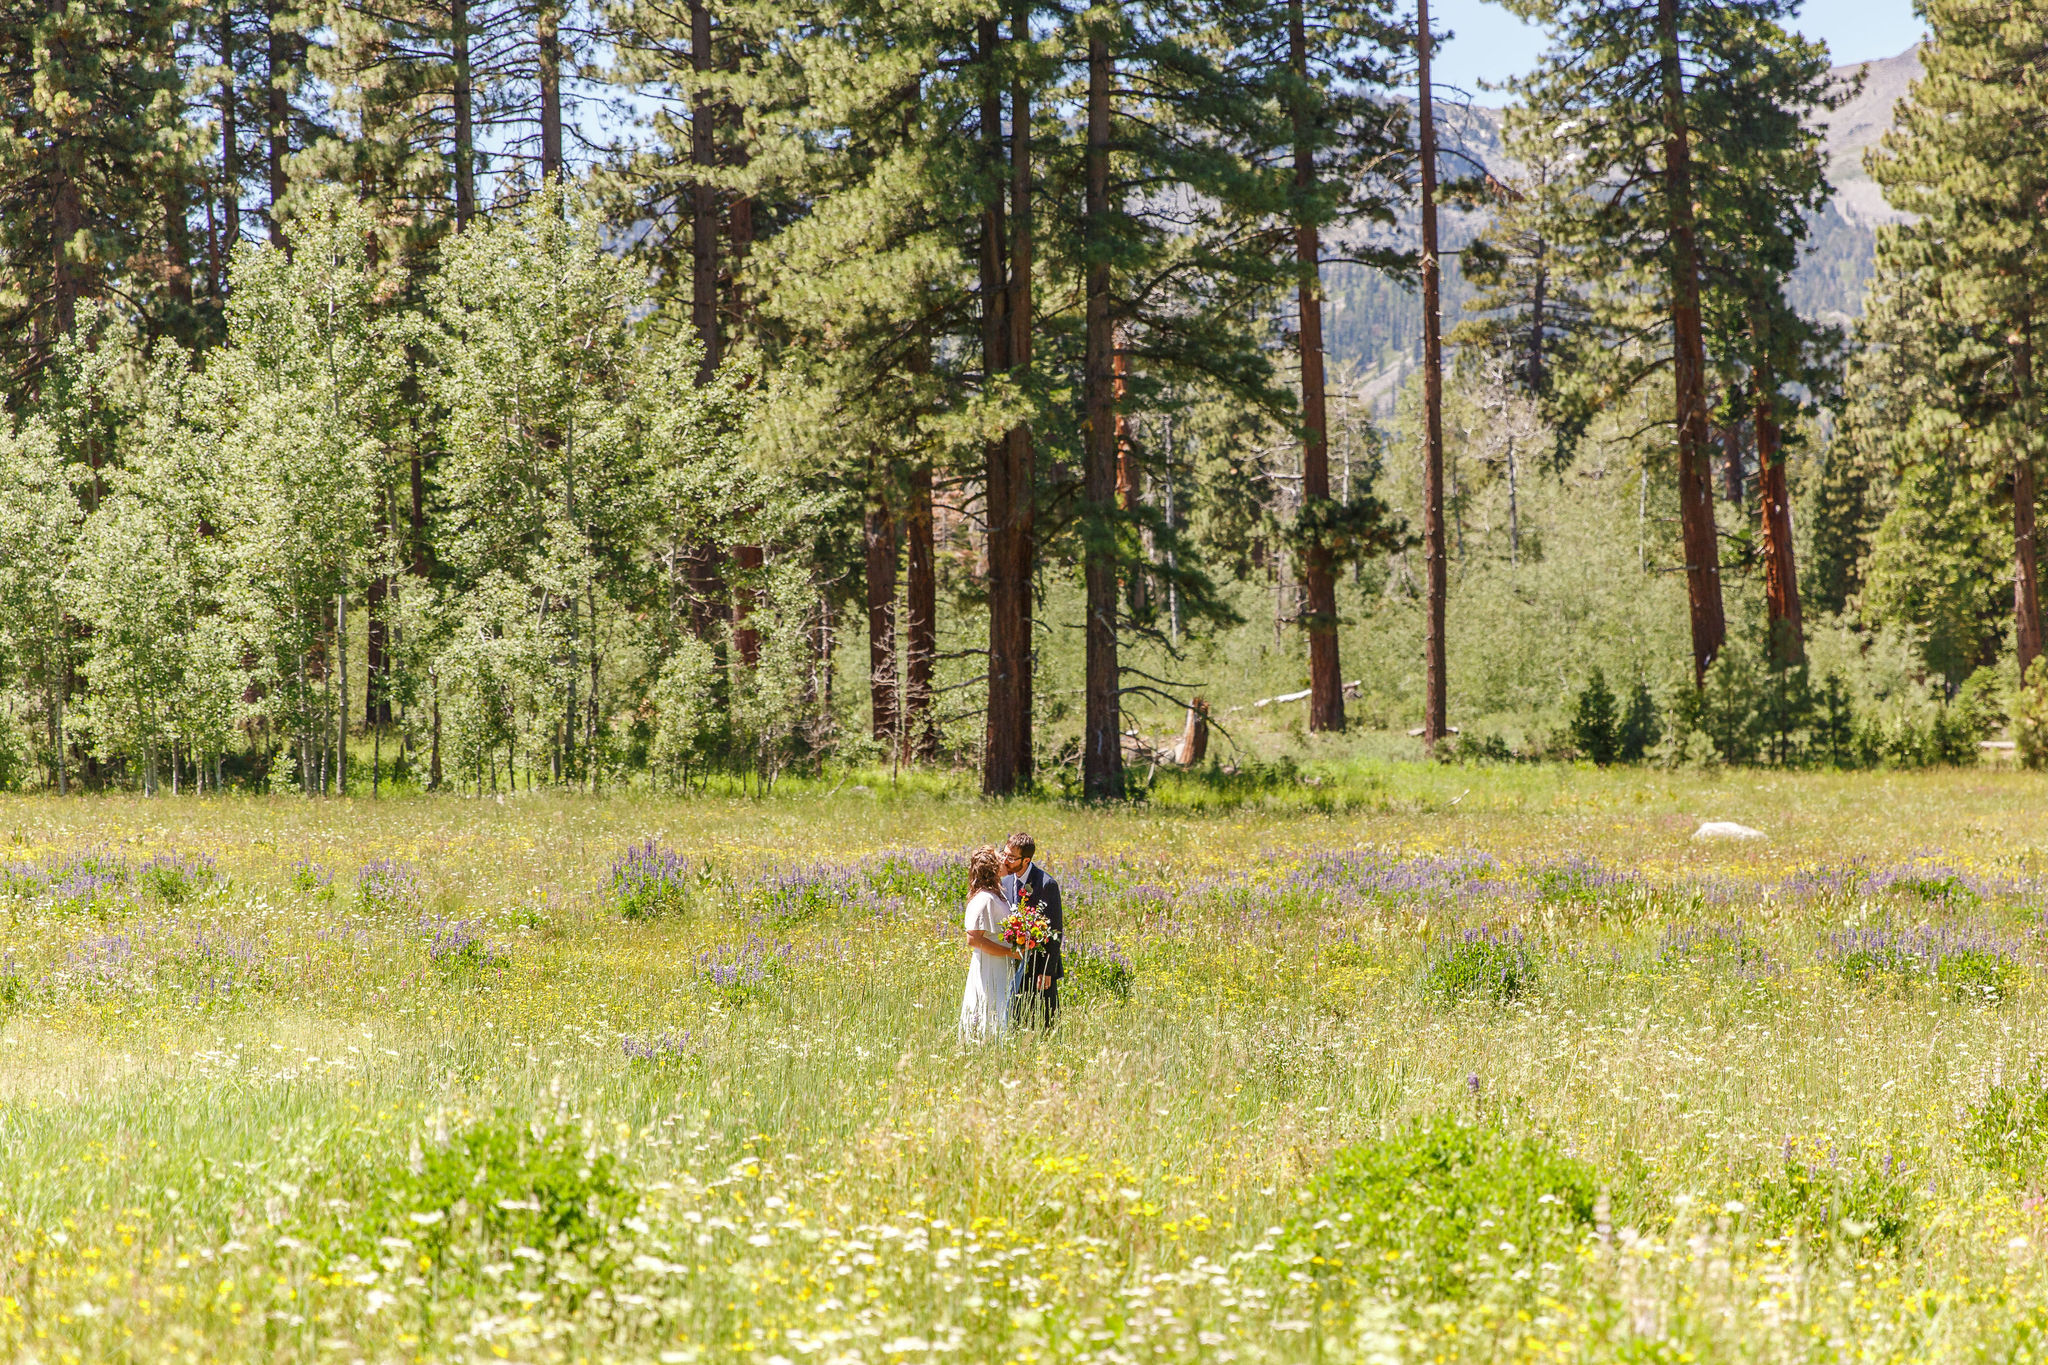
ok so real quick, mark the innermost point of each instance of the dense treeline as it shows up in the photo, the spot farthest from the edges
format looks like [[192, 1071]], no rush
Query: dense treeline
[[517, 391]]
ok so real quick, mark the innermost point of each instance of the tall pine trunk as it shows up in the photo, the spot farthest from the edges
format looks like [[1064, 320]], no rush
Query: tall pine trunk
[[549, 44], [464, 97], [230, 149], [1436, 564], [1005, 282], [1781, 578], [2026, 582], [1325, 673], [277, 140], [880, 537], [703, 200], [920, 619], [66, 160], [177, 240], [1689, 363], [1102, 758], [746, 639]]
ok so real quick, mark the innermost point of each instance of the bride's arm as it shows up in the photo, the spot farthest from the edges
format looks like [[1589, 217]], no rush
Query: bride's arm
[[983, 942]]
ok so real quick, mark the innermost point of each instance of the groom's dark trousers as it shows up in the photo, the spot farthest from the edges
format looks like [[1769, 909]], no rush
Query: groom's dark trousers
[[1030, 1006]]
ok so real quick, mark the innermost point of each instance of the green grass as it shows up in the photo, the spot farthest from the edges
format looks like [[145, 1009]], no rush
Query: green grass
[[482, 1103]]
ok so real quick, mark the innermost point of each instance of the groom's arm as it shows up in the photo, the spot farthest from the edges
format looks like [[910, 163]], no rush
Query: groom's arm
[[1055, 965]]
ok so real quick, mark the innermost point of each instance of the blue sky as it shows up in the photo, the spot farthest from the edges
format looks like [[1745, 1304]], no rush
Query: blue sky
[[1491, 44]]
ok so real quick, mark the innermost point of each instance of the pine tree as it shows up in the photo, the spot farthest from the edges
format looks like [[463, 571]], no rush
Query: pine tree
[[1171, 297], [1768, 183], [1720, 82], [88, 129], [1962, 289], [1338, 149], [247, 76], [1531, 307]]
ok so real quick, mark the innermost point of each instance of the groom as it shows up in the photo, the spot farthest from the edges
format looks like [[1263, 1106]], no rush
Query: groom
[[1035, 990]]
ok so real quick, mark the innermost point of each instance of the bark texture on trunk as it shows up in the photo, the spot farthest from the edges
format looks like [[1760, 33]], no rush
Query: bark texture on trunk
[[1319, 579], [1010, 459], [376, 663], [178, 241], [1194, 735], [746, 640], [277, 139], [1689, 364], [703, 203], [464, 97], [1436, 564], [67, 219], [920, 620], [230, 149], [1781, 578], [1102, 756], [880, 536], [549, 39], [2026, 582]]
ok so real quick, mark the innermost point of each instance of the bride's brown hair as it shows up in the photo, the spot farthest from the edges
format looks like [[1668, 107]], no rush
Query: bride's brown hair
[[984, 869]]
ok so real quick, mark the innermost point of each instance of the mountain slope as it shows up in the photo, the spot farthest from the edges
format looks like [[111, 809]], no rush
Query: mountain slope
[[1375, 324]]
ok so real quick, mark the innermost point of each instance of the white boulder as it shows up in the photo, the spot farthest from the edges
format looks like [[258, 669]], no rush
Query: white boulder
[[1725, 829]]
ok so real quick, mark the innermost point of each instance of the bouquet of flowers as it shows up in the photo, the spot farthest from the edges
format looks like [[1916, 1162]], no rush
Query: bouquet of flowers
[[1026, 929]]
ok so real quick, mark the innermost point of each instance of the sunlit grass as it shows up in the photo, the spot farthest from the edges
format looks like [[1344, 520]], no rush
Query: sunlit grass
[[746, 1130]]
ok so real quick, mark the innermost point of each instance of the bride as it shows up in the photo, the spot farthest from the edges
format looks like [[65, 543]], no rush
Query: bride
[[985, 1006]]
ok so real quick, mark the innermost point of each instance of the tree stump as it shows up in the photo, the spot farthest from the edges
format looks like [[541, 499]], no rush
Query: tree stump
[[1194, 737]]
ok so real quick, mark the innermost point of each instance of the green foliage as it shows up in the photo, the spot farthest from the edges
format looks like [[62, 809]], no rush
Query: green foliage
[[1428, 1210], [1595, 733], [2008, 1131], [1861, 1202], [1935, 565], [1489, 964], [173, 880], [1640, 727], [1098, 970], [2030, 717], [499, 1183]]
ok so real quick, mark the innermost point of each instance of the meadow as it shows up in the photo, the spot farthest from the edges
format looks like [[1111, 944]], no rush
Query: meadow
[[1397, 1063]]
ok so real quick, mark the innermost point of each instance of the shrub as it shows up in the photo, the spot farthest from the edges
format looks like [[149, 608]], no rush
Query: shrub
[[1981, 701], [1431, 1209], [649, 880], [1489, 747], [1593, 722], [1833, 736], [310, 877], [799, 896], [388, 884], [173, 878], [1099, 967], [2008, 1132], [2030, 717], [501, 1183], [458, 947], [1484, 962], [739, 973], [1969, 965], [1640, 727], [1863, 1201]]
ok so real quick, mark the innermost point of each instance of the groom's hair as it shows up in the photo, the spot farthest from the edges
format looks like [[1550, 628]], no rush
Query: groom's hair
[[1021, 843]]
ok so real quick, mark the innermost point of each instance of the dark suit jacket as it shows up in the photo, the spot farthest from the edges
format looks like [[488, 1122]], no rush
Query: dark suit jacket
[[1046, 961]]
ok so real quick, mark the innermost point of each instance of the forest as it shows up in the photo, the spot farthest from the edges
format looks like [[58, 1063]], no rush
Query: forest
[[487, 394]]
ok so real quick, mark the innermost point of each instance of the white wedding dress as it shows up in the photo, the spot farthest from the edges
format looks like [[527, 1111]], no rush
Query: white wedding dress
[[985, 1005]]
